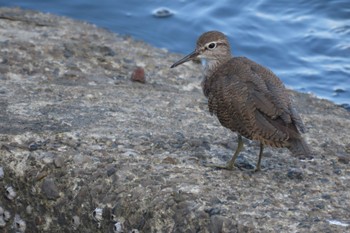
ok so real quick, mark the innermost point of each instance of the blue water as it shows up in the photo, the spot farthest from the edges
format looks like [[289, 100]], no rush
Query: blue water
[[305, 42]]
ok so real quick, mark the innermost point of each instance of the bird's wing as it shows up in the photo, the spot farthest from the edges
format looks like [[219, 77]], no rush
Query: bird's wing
[[245, 102], [227, 100], [277, 95], [267, 88], [269, 120]]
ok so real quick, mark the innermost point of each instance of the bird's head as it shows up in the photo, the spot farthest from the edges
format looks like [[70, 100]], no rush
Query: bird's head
[[212, 46]]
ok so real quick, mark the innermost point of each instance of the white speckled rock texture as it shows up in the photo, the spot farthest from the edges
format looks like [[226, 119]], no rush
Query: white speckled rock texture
[[77, 134]]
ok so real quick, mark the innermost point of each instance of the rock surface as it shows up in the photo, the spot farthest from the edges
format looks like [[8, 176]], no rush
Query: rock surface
[[78, 135]]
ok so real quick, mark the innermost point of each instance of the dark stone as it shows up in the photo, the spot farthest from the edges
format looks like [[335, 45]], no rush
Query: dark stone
[[320, 206], [200, 143], [213, 211], [345, 159], [33, 146], [295, 174], [323, 180], [111, 171], [49, 189], [244, 163], [107, 51], [337, 171], [169, 160]]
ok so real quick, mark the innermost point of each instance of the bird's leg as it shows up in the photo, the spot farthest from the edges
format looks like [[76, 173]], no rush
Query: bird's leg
[[260, 156], [230, 164]]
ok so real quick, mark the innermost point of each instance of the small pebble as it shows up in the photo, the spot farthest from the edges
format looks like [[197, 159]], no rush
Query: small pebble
[[138, 75], [97, 214], [1, 173], [58, 161], [347, 147], [118, 227], [107, 51], [49, 189], [111, 171], [337, 171], [242, 162], [33, 146], [41, 175], [213, 211], [169, 160], [6, 215], [19, 224], [10, 193], [29, 209], [343, 159], [2, 223], [295, 174], [75, 221]]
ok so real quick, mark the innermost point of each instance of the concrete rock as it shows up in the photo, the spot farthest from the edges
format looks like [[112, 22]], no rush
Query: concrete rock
[[136, 151]]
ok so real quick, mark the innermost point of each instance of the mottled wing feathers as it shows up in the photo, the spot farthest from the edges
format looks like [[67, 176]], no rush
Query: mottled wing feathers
[[277, 92], [263, 103], [251, 100], [297, 120], [225, 103], [272, 88]]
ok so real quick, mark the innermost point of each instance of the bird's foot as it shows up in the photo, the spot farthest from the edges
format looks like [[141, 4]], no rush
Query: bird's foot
[[257, 169], [229, 166]]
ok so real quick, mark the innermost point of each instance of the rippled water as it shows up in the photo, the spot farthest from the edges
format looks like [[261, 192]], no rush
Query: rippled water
[[305, 42]]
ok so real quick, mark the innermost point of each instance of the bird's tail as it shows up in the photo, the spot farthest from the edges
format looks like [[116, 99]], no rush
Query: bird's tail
[[299, 148]]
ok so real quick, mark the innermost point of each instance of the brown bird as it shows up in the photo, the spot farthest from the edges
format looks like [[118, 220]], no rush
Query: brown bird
[[247, 98]]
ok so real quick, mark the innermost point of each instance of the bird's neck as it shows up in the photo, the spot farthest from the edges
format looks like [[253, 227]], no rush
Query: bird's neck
[[211, 65]]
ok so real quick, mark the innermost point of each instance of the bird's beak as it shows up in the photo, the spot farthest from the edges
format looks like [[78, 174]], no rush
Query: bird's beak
[[189, 57]]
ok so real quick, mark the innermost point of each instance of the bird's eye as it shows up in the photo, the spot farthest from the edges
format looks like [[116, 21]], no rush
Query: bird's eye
[[212, 45]]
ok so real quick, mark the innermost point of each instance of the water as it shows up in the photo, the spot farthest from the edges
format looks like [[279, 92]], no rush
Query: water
[[305, 42]]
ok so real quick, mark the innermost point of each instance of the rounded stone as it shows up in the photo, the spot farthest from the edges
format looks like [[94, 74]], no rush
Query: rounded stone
[[138, 75], [10, 193], [19, 224], [343, 159], [58, 161], [2, 223], [49, 189], [295, 174], [111, 171], [33, 146], [75, 221]]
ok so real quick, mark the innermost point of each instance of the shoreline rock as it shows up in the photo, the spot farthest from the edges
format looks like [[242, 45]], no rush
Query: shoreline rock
[[86, 149]]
